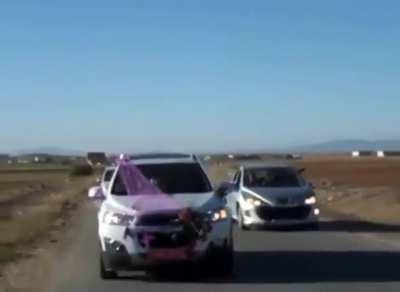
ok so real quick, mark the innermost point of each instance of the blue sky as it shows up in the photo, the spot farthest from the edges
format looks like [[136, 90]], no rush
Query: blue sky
[[197, 75]]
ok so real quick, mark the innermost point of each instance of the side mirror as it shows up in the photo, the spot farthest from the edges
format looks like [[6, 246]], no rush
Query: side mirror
[[96, 193], [301, 170], [223, 189], [98, 180]]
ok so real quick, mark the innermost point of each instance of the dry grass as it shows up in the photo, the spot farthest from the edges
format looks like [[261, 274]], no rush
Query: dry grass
[[368, 188], [364, 172], [32, 201], [222, 171], [7, 253]]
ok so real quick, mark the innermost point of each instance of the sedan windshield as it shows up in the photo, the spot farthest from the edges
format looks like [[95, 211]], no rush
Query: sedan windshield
[[171, 178], [271, 177]]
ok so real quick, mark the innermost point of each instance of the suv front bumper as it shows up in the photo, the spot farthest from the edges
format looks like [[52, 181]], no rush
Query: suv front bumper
[[121, 249]]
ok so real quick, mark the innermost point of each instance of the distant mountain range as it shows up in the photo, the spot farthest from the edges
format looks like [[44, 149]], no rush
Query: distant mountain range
[[349, 145], [49, 150], [330, 146]]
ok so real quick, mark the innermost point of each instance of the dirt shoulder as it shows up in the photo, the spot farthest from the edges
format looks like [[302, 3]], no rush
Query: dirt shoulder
[[377, 204], [34, 207]]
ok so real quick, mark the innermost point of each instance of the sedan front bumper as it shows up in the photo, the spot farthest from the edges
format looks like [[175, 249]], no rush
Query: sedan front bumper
[[280, 215]]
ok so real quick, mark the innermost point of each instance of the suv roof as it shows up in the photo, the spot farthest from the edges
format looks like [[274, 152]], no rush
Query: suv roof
[[159, 158]]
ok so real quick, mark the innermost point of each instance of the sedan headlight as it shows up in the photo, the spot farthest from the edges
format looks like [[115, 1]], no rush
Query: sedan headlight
[[251, 200], [311, 200], [112, 218], [219, 215]]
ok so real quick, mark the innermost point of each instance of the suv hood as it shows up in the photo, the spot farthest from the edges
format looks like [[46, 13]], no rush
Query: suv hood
[[159, 203], [282, 196]]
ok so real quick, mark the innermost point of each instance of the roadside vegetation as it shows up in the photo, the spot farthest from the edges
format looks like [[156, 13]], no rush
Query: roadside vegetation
[[81, 170], [34, 199]]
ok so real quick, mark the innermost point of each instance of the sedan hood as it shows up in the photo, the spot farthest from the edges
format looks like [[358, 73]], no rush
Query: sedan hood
[[282, 196]]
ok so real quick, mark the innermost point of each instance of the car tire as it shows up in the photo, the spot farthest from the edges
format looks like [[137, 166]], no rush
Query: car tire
[[104, 273]]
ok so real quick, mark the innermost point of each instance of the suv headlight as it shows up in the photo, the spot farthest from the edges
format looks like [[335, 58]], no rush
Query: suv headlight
[[113, 218], [219, 215], [251, 200], [311, 200]]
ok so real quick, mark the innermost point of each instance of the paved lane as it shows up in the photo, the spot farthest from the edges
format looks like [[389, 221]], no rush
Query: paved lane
[[340, 257]]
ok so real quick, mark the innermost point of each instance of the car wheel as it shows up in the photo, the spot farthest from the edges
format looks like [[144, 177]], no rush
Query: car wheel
[[104, 273], [241, 224]]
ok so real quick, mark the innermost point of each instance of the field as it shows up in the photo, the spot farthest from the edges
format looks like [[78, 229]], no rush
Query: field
[[367, 188], [357, 172], [33, 200]]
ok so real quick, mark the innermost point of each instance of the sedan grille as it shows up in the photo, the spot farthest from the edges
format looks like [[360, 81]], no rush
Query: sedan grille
[[276, 213]]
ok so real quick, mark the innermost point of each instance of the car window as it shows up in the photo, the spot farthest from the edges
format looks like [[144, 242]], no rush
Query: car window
[[272, 177]]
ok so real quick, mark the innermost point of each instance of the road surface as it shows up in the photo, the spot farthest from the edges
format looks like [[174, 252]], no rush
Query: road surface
[[342, 256]]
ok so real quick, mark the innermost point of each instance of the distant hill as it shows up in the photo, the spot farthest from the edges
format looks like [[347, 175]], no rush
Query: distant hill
[[50, 150], [349, 145]]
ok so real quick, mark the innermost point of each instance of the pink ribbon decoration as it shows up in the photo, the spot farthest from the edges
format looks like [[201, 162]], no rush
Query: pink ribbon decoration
[[135, 182], [150, 199], [149, 196]]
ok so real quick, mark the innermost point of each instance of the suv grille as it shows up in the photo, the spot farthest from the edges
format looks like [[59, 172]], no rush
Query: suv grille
[[165, 240], [159, 219]]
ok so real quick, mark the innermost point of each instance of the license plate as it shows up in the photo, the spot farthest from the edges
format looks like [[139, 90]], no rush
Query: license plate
[[168, 254]]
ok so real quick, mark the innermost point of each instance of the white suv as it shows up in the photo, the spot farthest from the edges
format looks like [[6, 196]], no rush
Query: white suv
[[122, 228]]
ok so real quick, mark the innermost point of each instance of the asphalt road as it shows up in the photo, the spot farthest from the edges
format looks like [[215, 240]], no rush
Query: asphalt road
[[342, 256]]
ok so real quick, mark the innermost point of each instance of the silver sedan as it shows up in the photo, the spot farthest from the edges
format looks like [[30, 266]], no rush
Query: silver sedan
[[272, 195]]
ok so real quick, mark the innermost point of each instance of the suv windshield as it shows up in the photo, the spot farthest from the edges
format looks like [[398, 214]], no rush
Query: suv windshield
[[271, 177], [171, 178]]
